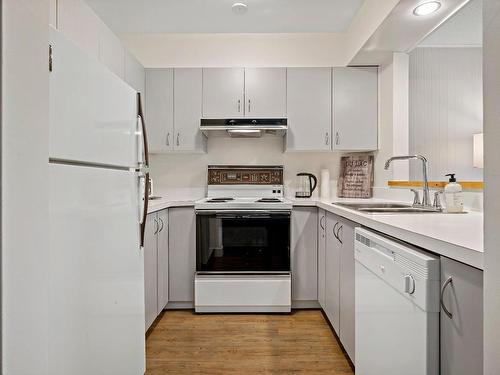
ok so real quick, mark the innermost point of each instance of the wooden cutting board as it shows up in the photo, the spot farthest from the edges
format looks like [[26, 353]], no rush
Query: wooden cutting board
[[356, 176]]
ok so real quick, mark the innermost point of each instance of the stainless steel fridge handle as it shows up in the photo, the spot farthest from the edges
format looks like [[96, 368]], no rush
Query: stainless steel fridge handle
[[144, 213], [140, 116]]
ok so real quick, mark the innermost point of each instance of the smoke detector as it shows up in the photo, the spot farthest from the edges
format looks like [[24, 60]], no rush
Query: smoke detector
[[239, 8]]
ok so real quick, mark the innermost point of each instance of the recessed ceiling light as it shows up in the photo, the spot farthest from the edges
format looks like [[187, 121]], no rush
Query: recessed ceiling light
[[427, 8], [239, 8]]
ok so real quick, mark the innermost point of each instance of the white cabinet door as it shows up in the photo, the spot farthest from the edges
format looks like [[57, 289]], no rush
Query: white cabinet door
[[309, 109], [355, 108], [223, 92], [346, 296], [332, 271], [135, 75], [53, 13], [151, 269], [93, 113], [304, 254], [162, 260], [187, 110], [462, 333], [182, 254], [265, 92], [159, 116], [96, 272], [321, 256]]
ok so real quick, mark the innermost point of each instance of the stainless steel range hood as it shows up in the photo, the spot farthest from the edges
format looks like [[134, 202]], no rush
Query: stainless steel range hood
[[244, 127]]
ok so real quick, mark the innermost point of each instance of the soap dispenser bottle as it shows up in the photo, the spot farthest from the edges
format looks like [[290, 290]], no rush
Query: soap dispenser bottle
[[453, 195]]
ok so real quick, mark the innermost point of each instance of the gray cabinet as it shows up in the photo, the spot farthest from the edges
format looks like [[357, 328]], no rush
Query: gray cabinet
[[182, 254], [332, 271], [223, 92], [346, 296], [304, 252], [321, 256], [159, 116], [265, 92], [151, 270], [309, 109], [162, 241], [355, 108], [462, 332]]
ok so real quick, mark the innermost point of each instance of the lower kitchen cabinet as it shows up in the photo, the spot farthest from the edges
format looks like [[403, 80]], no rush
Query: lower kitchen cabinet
[[182, 254], [155, 265], [461, 319], [332, 271], [346, 296], [304, 252], [321, 256]]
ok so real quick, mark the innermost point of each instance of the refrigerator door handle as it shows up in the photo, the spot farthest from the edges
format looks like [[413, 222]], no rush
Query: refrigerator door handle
[[144, 206], [140, 117]]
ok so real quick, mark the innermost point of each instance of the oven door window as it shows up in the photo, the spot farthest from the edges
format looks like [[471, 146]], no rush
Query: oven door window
[[243, 243]]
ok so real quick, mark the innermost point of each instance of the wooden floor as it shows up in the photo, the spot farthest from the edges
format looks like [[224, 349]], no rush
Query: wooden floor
[[301, 343]]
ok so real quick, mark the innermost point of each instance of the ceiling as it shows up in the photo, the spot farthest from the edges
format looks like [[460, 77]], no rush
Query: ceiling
[[216, 16]]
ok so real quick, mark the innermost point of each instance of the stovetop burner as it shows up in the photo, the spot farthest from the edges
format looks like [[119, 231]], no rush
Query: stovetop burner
[[219, 200], [269, 200]]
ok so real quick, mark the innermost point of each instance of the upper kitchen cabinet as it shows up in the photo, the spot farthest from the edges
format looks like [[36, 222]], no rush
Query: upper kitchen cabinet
[[309, 107], [187, 110], [265, 92], [355, 108], [159, 116], [223, 92], [239, 92]]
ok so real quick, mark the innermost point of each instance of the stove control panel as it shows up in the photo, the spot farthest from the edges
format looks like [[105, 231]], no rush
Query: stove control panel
[[242, 175]]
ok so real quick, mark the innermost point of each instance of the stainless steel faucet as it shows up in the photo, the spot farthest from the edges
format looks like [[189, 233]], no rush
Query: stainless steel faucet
[[426, 200]]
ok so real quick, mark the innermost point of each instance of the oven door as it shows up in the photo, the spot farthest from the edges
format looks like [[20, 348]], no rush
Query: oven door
[[242, 241]]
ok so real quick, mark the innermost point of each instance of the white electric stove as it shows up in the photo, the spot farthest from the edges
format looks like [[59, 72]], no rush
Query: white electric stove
[[243, 241]]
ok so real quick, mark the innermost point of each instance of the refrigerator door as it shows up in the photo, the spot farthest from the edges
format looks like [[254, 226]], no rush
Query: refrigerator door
[[93, 112], [96, 275]]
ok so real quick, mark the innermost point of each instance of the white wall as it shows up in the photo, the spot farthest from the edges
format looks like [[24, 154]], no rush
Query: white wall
[[25, 130], [491, 77], [446, 109]]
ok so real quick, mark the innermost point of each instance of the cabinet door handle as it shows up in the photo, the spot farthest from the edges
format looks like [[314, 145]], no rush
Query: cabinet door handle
[[157, 226], [337, 138], [162, 224], [178, 143], [338, 234], [327, 138], [168, 139], [239, 105], [249, 105], [321, 222], [334, 232], [448, 281]]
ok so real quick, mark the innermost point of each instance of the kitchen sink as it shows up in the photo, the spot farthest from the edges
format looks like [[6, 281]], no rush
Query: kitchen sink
[[386, 208]]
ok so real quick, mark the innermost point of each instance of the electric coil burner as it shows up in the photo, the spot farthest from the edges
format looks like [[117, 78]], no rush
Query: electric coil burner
[[243, 241]]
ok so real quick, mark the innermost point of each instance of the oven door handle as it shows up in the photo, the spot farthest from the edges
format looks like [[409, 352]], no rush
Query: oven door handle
[[243, 214]]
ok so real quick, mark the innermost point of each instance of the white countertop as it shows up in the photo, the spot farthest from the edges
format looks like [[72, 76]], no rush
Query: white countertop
[[457, 236]]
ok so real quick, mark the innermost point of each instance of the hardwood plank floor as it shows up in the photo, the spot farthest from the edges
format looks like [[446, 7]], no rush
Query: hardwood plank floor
[[300, 343]]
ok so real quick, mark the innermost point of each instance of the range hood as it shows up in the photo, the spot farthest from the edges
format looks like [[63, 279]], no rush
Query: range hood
[[244, 127]]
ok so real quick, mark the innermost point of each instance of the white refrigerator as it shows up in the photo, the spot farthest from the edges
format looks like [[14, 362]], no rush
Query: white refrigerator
[[98, 203]]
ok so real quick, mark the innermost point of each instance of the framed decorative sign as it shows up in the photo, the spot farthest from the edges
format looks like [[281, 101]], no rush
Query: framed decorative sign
[[356, 176]]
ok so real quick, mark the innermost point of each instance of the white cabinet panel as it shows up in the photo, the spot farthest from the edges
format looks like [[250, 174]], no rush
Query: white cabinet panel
[[96, 272], [53, 13], [355, 108], [162, 260], [332, 272], [265, 92], [304, 254], [309, 109], [321, 256], [159, 116], [462, 333], [346, 295], [112, 52], [187, 110], [223, 92], [182, 254], [151, 269], [93, 113], [135, 74]]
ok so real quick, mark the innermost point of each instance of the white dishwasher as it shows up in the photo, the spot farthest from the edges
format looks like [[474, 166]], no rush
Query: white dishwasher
[[397, 307]]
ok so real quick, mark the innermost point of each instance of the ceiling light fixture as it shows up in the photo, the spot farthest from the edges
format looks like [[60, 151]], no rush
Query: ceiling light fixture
[[239, 8], [427, 8]]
